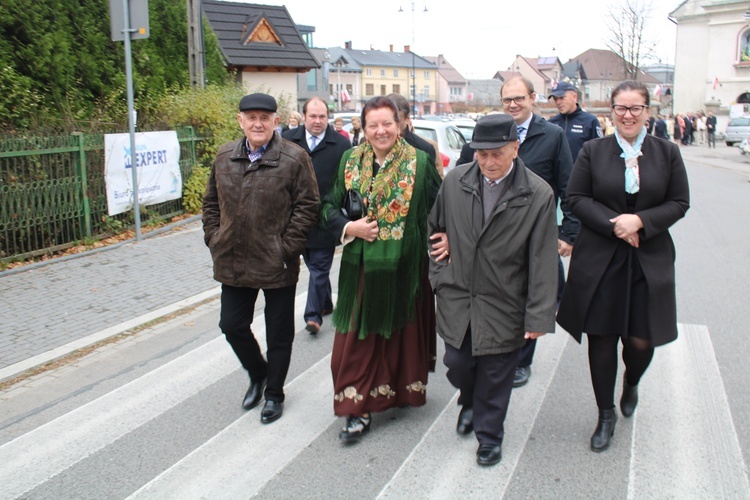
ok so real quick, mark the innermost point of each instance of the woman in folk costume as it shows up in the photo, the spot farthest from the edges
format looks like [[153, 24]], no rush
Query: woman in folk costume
[[385, 314]]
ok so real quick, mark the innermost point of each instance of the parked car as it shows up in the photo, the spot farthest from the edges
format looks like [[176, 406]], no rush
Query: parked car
[[738, 129], [465, 126], [447, 136]]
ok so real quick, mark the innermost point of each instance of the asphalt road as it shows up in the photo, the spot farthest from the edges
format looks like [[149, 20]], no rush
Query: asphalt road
[[157, 414]]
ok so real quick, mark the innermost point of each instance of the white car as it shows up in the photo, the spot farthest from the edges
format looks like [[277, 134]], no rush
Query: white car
[[446, 135], [465, 126]]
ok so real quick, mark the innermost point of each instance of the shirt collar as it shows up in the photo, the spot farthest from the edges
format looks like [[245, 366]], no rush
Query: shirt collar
[[260, 149], [308, 135], [501, 179]]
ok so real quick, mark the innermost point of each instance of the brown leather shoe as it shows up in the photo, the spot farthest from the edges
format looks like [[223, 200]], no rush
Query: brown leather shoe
[[313, 327]]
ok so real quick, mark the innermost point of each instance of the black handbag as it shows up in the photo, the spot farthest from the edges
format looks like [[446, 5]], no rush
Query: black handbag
[[353, 207]]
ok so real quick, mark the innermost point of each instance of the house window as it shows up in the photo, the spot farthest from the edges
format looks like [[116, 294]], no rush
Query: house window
[[370, 89], [396, 88], [382, 90], [427, 75], [411, 74], [369, 71], [350, 89], [456, 91], [426, 91], [312, 80], [411, 88], [744, 56], [382, 72], [395, 73]]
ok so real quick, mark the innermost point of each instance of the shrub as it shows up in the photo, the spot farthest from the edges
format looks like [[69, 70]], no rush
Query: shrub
[[193, 190]]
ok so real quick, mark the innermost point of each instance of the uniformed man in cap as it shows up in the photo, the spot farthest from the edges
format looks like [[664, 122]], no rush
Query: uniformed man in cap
[[261, 201], [496, 279]]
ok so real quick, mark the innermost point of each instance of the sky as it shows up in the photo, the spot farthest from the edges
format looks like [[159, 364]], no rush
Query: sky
[[480, 38]]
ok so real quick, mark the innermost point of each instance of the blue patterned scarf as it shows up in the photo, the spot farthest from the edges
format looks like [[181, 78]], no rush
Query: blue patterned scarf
[[631, 153]]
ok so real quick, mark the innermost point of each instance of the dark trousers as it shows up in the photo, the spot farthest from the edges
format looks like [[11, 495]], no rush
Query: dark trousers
[[485, 383], [237, 309], [527, 351], [318, 262], [711, 138]]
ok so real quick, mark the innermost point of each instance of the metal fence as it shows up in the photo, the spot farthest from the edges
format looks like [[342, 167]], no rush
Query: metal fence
[[52, 193]]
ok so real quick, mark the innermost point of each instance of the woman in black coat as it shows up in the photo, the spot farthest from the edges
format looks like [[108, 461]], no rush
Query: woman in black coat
[[627, 190]]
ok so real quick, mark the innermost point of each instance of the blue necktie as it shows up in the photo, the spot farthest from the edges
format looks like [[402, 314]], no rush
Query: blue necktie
[[313, 142], [521, 130]]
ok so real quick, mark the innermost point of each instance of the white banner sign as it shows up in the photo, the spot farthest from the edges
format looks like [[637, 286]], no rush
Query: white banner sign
[[157, 158]]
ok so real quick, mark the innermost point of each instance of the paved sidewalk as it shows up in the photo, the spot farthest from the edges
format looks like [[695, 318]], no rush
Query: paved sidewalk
[[63, 305]]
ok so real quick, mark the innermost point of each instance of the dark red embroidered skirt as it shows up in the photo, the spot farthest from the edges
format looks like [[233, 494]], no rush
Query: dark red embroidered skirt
[[376, 373]]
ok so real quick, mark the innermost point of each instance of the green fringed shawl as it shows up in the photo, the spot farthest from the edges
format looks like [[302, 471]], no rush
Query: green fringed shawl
[[402, 193]]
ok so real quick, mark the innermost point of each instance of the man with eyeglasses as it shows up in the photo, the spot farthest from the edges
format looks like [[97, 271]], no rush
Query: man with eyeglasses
[[545, 151], [578, 125]]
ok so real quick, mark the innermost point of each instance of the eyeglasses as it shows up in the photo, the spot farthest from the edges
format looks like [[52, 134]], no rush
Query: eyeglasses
[[517, 99], [634, 110]]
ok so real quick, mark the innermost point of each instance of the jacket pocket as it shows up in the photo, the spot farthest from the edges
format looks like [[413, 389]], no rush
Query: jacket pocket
[[279, 251]]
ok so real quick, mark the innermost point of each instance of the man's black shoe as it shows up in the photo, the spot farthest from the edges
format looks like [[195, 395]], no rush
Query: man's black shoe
[[489, 454], [272, 411], [522, 376], [254, 393], [465, 420]]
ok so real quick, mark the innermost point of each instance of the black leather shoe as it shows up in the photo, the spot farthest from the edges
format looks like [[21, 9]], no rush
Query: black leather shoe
[[629, 399], [271, 412], [465, 423], [605, 429], [489, 454], [354, 429], [253, 394], [522, 376]]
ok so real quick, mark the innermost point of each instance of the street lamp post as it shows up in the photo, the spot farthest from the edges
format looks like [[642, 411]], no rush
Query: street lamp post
[[338, 80], [413, 60]]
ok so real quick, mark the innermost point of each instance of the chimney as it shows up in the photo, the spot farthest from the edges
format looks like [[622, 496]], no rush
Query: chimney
[[391, 46], [348, 45], [407, 48]]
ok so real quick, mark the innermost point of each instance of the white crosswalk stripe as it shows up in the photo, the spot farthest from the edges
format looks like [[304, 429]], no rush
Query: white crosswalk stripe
[[680, 443]]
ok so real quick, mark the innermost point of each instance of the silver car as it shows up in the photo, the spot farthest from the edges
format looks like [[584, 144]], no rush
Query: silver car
[[447, 136], [737, 130]]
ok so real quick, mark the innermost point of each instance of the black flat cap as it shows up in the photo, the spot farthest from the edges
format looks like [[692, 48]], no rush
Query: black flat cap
[[259, 102], [494, 131]]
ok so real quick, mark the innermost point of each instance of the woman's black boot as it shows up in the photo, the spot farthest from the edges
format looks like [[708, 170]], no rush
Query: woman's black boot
[[629, 399], [605, 429]]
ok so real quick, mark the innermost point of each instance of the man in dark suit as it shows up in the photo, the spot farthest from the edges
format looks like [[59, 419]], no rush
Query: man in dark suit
[[711, 129], [660, 128], [325, 147], [404, 121], [545, 151]]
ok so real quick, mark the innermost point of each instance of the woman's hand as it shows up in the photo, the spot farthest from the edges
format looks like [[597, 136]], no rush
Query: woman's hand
[[363, 228], [627, 227], [440, 247], [533, 335]]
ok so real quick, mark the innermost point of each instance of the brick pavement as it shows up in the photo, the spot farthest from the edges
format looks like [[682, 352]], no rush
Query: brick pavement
[[46, 307]]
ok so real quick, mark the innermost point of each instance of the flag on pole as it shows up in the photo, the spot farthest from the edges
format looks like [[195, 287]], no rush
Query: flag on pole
[[657, 90], [716, 82], [345, 96]]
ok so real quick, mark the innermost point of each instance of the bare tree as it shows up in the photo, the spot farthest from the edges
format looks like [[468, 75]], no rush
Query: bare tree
[[627, 23]]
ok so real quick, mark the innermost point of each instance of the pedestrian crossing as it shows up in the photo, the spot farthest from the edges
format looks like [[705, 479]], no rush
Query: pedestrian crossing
[[681, 443]]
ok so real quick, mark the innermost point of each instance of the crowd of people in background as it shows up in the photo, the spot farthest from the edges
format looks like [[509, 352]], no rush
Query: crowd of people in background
[[686, 129]]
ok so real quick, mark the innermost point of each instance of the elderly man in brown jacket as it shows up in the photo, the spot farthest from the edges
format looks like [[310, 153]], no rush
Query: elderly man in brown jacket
[[496, 282], [261, 201]]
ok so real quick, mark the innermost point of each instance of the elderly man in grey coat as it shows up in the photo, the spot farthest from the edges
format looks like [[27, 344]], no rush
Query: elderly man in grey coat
[[493, 270]]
